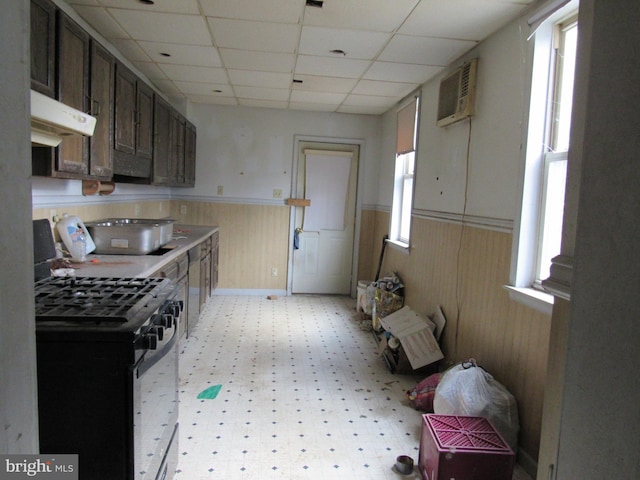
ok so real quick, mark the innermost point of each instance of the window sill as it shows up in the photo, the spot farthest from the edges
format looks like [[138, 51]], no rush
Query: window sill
[[532, 298], [398, 245]]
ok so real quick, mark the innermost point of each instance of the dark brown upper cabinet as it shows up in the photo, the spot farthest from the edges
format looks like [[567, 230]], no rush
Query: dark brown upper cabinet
[[43, 47], [177, 159], [101, 107], [162, 142], [189, 155], [73, 90], [133, 135]]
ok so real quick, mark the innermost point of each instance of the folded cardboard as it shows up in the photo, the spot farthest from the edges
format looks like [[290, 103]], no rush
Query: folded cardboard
[[415, 334]]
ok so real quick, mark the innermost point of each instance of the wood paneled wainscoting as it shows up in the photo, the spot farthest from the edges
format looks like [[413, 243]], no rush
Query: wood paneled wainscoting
[[463, 268], [254, 239]]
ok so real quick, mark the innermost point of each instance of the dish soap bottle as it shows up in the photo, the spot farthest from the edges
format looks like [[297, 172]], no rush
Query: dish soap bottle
[[75, 237]]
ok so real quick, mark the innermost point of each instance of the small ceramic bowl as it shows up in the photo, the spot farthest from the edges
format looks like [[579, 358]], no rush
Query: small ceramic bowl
[[404, 464]]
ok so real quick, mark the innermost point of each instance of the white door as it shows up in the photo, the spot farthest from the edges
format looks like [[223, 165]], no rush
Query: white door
[[324, 231]]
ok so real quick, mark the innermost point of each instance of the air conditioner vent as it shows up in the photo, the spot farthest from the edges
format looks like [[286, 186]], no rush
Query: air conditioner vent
[[456, 96]]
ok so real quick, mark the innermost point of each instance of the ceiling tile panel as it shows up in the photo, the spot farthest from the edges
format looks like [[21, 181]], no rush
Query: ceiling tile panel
[[401, 72], [169, 6], [151, 70], [387, 89], [374, 15], [264, 61], [251, 78], [278, 94], [197, 88], [302, 96], [190, 73], [424, 50], [257, 36], [355, 43], [213, 100], [282, 11], [182, 54], [102, 22], [258, 103], [130, 49], [461, 19], [324, 84], [334, 66], [163, 27]]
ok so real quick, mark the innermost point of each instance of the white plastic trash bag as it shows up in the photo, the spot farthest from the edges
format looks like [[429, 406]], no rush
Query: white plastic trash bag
[[469, 390]]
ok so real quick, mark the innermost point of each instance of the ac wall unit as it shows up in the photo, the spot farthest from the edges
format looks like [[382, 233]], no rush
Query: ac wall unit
[[457, 93]]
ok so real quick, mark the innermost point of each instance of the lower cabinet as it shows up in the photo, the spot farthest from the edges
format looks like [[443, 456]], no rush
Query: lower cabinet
[[178, 271], [196, 273]]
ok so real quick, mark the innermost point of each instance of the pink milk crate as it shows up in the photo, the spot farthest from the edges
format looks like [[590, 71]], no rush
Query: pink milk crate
[[456, 447]]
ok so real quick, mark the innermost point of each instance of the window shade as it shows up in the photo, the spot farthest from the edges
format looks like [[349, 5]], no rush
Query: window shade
[[405, 139]]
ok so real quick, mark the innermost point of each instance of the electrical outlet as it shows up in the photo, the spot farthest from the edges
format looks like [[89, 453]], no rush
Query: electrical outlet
[[277, 193], [136, 209], [274, 271], [183, 209], [53, 215], [220, 190]]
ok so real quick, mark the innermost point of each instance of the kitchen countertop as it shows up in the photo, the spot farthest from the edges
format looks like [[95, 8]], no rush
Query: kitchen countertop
[[184, 238]]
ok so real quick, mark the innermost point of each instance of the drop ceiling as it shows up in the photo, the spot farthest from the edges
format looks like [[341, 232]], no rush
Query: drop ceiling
[[349, 56]]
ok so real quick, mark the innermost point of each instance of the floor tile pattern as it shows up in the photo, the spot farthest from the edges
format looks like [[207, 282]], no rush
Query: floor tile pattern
[[303, 394]]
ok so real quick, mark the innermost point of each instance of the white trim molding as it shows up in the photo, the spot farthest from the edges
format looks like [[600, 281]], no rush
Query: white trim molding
[[489, 223]]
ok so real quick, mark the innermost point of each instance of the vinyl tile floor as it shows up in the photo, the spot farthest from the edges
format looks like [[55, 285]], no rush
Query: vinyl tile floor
[[296, 390]]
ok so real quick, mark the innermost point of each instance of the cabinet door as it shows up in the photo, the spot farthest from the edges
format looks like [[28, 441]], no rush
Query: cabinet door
[[144, 121], [189, 155], [177, 150], [124, 110], [205, 279], [101, 105], [162, 142], [43, 46], [215, 253], [73, 75]]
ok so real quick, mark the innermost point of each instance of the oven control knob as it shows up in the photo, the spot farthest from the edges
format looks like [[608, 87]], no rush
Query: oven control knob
[[158, 331], [162, 319], [176, 308], [150, 341]]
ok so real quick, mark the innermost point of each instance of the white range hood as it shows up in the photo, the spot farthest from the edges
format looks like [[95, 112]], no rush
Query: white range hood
[[51, 121]]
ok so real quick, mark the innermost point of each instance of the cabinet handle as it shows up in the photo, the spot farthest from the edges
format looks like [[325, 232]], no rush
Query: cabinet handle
[[94, 108]]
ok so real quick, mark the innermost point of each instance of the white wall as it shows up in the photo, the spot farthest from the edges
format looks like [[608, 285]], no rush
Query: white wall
[[496, 135], [250, 151]]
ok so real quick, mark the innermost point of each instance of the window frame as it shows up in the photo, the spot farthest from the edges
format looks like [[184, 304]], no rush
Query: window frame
[[524, 284], [405, 158]]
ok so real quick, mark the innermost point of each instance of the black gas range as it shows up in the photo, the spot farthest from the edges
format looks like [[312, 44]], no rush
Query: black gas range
[[107, 353]]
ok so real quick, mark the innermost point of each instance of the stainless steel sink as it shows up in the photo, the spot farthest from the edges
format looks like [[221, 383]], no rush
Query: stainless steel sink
[[130, 236]]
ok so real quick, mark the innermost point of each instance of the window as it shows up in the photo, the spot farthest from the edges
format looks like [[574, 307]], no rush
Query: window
[[406, 142], [537, 239], [555, 156]]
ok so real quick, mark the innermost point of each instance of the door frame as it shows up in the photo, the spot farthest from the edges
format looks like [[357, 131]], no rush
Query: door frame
[[360, 143]]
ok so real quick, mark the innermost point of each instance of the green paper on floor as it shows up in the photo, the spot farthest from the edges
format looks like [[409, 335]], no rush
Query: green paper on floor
[[210, 393]]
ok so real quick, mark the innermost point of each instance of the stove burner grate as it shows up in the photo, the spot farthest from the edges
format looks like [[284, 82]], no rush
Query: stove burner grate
[[93, 298]]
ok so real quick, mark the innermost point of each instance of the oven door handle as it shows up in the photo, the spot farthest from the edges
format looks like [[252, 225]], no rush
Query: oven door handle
[[151, 357]]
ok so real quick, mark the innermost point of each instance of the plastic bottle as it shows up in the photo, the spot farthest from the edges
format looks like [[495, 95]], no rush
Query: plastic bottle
[[75, 237]]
